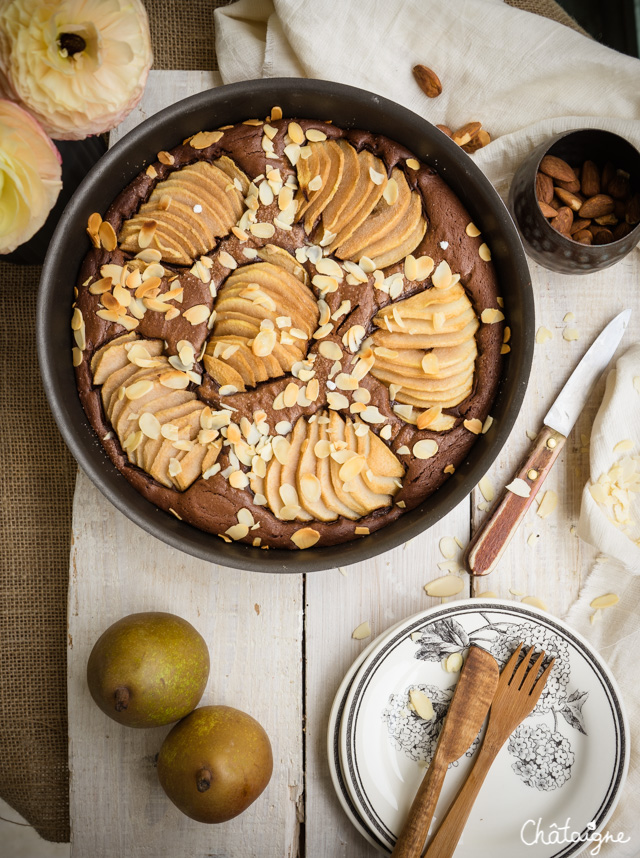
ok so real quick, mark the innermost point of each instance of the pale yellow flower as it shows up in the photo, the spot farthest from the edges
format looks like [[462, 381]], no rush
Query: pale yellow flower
[[29, 176], [79, 66]]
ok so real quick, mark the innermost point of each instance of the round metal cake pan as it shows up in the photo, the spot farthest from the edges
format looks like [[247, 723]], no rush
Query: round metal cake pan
[[347, 107]]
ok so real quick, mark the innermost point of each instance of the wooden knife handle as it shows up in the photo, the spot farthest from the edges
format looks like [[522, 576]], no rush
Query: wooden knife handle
[[412, 838], [443, 843], [488, 544]]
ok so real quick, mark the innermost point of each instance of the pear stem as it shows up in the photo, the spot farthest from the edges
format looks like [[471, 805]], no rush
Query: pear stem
[[203, 780], [72, 43], [121, 696]]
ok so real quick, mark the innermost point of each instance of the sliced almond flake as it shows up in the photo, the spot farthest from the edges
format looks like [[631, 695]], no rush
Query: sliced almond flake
[[107, 236], [474, 425], [488, 423], [367, 264], [531, 541], [453, 662], [77, 356], [472, 230], [569, 317], [385, 432], [425, 449], [293, 152], [262, 230], [490, 316], [315, 135], [533, 600], [606, 601], [362, 631], [448, 547], [376, 178], [488, 594], [487, 488], [519, 487], [390, 192], [336, 401], [227, 390], [421, 704], [238, 479], [447, 585], [197, 314], [442, 276], [305, 537], [361, 531], [149, 425], [424, 267], [165, 157], [412, 163], [296, 134], [571, 334], [484, 253], [175, 468], [227, 260], [595, 617], [623, 446], [372, 415], [315, 184], [138, 389], [548, 503], [410, 267]]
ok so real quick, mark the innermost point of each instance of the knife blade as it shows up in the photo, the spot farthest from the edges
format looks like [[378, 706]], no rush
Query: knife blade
[[488, 544]]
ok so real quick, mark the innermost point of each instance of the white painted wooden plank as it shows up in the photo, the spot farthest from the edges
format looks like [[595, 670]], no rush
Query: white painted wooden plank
[[554, 567], [383, 591], [253, 626]]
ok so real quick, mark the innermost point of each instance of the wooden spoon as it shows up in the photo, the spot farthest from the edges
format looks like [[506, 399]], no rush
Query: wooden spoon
[[468, 709]]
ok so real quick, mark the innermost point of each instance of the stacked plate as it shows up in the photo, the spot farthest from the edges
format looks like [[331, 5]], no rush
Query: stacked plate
[[554, 784]]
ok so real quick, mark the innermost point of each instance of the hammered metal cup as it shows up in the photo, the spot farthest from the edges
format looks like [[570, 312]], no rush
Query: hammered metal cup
[[541, 241]]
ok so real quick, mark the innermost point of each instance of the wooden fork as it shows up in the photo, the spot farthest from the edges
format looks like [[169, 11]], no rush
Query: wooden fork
[[517, 693]]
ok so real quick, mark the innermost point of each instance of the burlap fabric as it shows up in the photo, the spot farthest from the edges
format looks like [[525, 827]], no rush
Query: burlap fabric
[[38, 476]]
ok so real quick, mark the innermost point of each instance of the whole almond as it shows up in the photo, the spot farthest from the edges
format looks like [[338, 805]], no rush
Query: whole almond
[[556, 168], [555, 203], [608, 172], [574, 202], [603, 236], [427, 80], [578, 224], [621, 230], [590, 183], [445, 130], [563, 220], [573, 186], [618, 187], [544, 188], [466, 133], [632, 215], [546, 209], [583, 236], [607, 220], [481, 140], [597, 206]]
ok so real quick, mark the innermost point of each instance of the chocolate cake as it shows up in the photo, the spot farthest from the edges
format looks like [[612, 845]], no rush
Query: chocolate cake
[[287, 333]]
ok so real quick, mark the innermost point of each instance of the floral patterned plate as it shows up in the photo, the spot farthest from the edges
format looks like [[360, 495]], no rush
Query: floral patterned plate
[[557, 778]]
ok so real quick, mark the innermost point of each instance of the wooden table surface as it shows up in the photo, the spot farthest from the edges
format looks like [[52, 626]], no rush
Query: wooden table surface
[[280, 644]]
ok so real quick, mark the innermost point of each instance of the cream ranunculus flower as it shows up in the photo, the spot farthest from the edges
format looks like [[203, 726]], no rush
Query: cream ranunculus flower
[[29, 176], [79, 66]]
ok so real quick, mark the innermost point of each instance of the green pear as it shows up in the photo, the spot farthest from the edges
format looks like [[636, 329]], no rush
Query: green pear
[[215, 763], [148, 669]]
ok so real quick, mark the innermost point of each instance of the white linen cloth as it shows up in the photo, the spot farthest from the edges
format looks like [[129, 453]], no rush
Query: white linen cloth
[[525, 78]]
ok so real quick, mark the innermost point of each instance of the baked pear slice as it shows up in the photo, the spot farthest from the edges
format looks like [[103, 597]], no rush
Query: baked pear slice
[[110, 391], [179, 407], [221, 372], [116, 357], [271, 487], [366, 195], [382, 222], [188, 428], [328, 495], [130, 421], [307, 482], [356, 486], [334, 156], [337, 433], [288, 488], [281, 258], [399, 240], [192, 464], [383, 470], [348, 181]]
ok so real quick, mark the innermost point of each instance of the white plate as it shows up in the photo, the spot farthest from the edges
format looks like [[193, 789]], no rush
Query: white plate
[[564, 766]]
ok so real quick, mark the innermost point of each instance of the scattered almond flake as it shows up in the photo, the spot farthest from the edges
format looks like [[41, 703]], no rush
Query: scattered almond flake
[[165, 158], [238, 479], [425, 449], [362, 631], [270, 131], [262, 230], [175, 468], [227, 390], [531, 435], [367, 264], [403, 451], [410, 267], [442, 276], [76, 354], [606, 601], [227, 260], [421, 704], [484, 253], [448, 547], [151, 171], [138, 389], [490, 315], [444, 245], [570, 334], [385, 432], [516, 592], [336, 401], [371, 414], [197, 314], [361, 531], [342, 571], [149, 425], [519, 487], [315, 135], [412, 163], [595, 616], [488, 423], [401, 504], [452, 566], [296, 133], [453, 663], [315, 184], [533, 600], [290, 394], [376, 178], [447, 585], [474, 425], [390, 192], [237, 531], [424, 267], [486, 487], [548, 503], [488, 594], [250, 252], [293, 152], [569, 317], [622, 446], [531, 541], [472, 230]]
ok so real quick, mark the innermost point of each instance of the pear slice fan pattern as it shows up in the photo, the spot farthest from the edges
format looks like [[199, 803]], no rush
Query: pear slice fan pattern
[[188, 211], [327, 466], [363, 211], [265, 318], [425, 348], [162, 427]]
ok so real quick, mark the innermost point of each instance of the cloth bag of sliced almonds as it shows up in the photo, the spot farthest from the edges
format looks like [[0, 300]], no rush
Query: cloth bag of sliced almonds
[[521, 76]]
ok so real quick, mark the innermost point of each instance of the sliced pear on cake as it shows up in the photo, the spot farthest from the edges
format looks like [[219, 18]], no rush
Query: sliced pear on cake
[[221, 372], [383, 469], [331, 214], [331, 178], [192, 464], [399, 240], [329, 497], [288, 488], [188, 428], [179, 407], [307, 482], [115, 355], [366, 195]]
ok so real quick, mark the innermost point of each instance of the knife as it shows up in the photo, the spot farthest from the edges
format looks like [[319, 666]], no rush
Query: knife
[[466, 714], [489, 543]]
